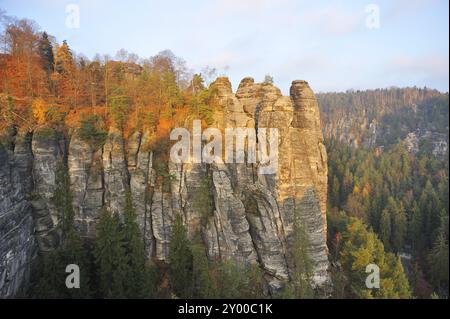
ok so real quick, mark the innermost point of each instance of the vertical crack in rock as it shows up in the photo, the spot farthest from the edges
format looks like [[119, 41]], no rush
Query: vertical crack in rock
[[47, 155], [85, 169], [17, 241]]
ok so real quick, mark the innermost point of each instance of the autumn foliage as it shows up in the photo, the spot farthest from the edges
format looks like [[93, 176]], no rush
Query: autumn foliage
[[47, 84]]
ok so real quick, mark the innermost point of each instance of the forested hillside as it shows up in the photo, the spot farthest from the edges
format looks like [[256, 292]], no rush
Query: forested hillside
[[388, 167], [380, 118]]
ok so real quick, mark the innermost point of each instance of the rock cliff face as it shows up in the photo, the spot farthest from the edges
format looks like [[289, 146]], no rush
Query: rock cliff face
[[250, 217], [17, 240]]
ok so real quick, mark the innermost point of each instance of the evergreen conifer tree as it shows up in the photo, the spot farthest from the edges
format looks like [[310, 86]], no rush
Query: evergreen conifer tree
[[110, 257], [180, 260], [137, 277], [204, 285], [46, 53]]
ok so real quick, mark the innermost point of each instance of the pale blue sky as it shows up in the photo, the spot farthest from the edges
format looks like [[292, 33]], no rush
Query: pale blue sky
[[326, 43]]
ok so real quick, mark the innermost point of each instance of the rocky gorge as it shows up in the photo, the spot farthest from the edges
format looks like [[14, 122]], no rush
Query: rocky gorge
[[250, 217]]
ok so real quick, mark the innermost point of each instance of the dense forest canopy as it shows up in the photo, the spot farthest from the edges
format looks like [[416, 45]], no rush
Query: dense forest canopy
[[44, 82], [381, 117], [394, 178]]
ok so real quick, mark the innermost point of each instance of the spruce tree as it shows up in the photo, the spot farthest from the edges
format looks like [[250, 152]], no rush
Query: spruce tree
[[416, 228], [51, 281], [399, 228], [63, 198], [430, 207], [74, 252], [438, 261], [46, 53], [137, 279], [255, 283], [231, 279], [48, 277], [301, 277], [110, 257], [386, 228], [180, 260], [204, 285]]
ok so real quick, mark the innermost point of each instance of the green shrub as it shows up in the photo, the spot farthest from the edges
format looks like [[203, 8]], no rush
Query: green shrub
[[91, 132]]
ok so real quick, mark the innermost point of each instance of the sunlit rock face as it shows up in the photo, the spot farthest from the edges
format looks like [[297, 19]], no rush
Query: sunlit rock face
[[250, 216]]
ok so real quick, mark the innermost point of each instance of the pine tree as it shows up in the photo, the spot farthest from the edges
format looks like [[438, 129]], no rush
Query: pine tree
[[334, 192], [231, 279], [137, 280], [255, 282], [63, 198], [120, 108], [399, 228], [301, 277], [393, 225], [180, 260], [386, 227], [110, 257], [46, 53], [48, 277], [51, 282], [416, 227], [74, 252], [204, 285], [429, 206], [438, 261]]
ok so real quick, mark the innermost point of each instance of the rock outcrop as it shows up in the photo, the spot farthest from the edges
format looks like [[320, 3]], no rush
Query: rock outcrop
[[17, 240], [250, 216]]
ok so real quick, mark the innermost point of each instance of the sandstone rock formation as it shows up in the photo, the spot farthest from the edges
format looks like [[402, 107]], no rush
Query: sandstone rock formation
[[251, 217], [17, 240]]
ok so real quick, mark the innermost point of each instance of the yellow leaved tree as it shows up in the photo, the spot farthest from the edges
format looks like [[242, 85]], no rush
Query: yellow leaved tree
[[40, 109]]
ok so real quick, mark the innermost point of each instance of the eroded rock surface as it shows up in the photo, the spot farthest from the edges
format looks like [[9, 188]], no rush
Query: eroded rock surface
[[17, 240], [250, 216]]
